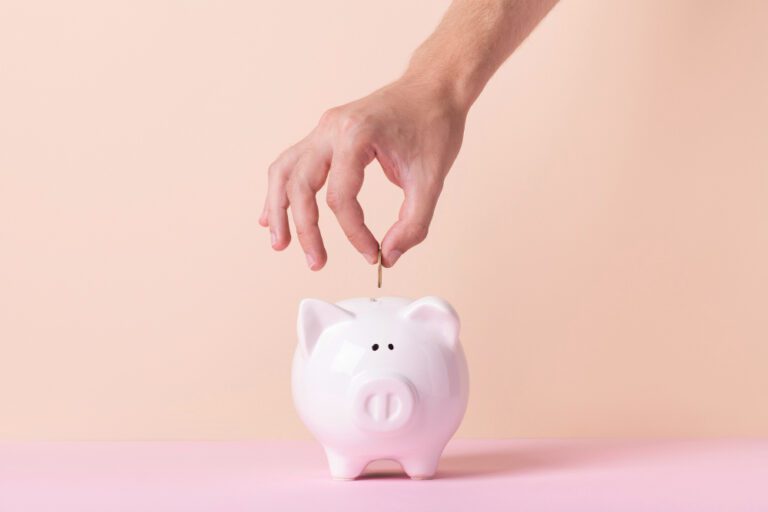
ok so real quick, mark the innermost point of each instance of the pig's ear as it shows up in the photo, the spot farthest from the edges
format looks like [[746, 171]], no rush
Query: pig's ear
[[438, 314], [315, 316]]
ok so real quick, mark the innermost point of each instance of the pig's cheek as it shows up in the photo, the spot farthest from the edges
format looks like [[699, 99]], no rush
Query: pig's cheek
[[348, 359]]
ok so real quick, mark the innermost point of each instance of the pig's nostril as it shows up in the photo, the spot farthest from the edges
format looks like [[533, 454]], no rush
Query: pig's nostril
[[391, 346], [375, 347], [382, 402]]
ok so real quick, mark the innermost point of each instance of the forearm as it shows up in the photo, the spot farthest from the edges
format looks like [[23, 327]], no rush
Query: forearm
[[470, 43]]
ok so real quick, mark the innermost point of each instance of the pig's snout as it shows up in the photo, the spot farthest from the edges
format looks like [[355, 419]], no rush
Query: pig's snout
[[382, 402]]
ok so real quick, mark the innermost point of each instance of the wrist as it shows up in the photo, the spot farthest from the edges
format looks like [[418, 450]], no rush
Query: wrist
[[453, 87]]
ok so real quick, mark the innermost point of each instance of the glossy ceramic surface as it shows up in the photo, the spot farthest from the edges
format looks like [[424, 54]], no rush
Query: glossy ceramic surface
[[381, 378]]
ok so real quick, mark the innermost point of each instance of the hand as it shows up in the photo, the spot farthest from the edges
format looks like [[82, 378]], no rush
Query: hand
[[412, 127]]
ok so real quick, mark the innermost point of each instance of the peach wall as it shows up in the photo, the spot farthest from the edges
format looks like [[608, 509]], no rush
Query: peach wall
[[604, 232]]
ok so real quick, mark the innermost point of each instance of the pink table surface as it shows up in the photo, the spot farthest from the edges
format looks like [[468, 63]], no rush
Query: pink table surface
[[482, 475]]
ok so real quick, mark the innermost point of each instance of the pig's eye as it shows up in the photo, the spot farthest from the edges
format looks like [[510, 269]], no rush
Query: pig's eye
[[375, 347], [391, 347]]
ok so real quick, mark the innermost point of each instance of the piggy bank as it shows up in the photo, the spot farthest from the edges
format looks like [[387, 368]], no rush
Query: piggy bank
[[380, 378]]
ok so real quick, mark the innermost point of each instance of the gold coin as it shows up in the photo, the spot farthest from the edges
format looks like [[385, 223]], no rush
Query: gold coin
[[379, 266]]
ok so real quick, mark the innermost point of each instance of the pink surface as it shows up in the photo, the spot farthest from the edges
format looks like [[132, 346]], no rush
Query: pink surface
[[527, 475]]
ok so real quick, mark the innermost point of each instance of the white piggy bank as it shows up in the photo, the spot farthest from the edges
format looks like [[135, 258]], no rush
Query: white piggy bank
[[380, 378]]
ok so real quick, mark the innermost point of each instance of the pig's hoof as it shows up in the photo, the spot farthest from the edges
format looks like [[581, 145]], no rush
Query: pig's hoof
[[420, 468], [344, 468]]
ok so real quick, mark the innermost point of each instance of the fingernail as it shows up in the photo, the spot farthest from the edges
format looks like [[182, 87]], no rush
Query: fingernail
[[311, 261], [273, 235], [394, 256]]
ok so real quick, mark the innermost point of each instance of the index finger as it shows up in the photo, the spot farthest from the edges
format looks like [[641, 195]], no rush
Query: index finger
[[345, 180]]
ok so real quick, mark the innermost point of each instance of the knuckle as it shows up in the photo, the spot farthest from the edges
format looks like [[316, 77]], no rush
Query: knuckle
[[306, 236], [282, 202], [329, 117], [334, 200], [417, 232], [273, 169], [358, 128], [350, 123], [347, 121]]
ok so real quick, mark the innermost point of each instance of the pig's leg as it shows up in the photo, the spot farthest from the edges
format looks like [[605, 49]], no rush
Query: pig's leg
[[421, 467], [343, 467]]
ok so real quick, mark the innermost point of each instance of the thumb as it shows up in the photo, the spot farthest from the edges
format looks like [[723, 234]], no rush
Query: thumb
[[413, 221]]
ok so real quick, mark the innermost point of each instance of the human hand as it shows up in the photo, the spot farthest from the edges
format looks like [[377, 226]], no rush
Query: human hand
[[413, 127]]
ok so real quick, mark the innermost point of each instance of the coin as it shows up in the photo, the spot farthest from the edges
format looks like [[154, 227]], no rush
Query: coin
[[379, 266]]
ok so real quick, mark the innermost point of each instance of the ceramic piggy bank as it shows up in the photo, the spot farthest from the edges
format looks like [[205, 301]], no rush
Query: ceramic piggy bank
[[380, 378]]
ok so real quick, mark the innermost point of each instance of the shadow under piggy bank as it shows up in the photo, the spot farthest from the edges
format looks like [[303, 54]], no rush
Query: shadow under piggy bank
[[473, 459]]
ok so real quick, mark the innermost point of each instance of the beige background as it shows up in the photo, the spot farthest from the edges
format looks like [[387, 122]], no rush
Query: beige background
[[604, 232]]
